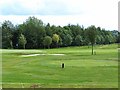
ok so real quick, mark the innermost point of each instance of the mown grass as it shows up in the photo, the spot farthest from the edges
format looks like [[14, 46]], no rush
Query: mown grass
[[82, 70]]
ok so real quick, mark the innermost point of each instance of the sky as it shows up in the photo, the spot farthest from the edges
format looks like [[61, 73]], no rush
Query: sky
[[103, 13]]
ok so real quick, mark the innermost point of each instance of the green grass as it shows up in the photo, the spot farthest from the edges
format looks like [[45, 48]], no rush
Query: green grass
[[82, 70]]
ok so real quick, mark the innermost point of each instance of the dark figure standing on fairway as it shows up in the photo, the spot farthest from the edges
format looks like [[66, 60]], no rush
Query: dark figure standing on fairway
[[62, 65]]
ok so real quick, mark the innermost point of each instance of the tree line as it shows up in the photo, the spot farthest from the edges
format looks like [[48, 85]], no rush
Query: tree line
[[34, 34]]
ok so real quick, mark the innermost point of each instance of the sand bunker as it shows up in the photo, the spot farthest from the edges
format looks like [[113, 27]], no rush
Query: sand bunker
[[56, 54], [41, 55]]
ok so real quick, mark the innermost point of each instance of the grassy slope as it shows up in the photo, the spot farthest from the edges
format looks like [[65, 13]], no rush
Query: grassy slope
[[81, 68]]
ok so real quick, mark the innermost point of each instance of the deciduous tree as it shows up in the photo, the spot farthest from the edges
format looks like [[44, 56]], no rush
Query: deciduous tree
[[91, 35], [22, 41], [47, 41], [56, 39]]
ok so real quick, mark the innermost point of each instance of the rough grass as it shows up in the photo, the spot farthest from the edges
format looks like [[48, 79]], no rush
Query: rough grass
[[82, 70]]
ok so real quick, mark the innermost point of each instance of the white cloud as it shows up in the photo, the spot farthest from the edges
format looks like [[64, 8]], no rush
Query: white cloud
[[102, 13]]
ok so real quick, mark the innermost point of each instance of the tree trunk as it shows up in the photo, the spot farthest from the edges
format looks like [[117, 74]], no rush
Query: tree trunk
[[92, 49], [56, 44]]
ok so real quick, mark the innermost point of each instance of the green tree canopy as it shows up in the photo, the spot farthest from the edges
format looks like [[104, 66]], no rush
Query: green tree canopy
[[55, 38], [47, 41], [35, 31], [91, 35], [7, 34], [67, 40], [78, 40]]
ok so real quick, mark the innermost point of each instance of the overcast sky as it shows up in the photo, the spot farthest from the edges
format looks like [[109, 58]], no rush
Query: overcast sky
[[103, 13]]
